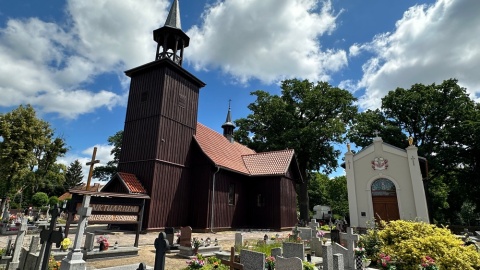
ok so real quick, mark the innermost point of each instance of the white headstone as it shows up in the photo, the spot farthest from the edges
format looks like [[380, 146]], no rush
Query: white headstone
[[252, 260], [351, 240], [15, 262]]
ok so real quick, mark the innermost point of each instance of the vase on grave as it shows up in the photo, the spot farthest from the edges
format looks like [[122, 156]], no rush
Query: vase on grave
[[103, 246], [359, 262], [365, 263], [195, 250]]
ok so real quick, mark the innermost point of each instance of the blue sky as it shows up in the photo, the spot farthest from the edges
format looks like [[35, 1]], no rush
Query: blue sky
[[67, 58]]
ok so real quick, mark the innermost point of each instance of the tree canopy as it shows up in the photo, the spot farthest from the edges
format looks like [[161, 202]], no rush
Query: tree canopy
[[308, 117], [28, 153], [74, 175]]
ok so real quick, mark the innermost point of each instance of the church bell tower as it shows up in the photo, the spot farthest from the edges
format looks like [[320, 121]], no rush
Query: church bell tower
[[160, 122]]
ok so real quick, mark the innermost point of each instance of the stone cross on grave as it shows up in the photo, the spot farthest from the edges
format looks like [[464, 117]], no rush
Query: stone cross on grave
[[161, 247], [376, 132], [351, 239], [233, 265], [51, 236], [314, 225], [15, 262], [74, 259], [91, 164]]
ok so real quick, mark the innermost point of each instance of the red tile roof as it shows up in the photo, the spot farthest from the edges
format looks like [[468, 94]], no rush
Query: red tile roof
[[131, 183], [237, 157], [269, 163]]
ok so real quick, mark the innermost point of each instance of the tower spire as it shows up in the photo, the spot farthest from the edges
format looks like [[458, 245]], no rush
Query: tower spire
[[171, 37], [228, 126], [173, 19]]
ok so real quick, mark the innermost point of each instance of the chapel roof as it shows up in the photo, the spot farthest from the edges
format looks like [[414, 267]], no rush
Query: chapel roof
[[132, 183], [237, 157]]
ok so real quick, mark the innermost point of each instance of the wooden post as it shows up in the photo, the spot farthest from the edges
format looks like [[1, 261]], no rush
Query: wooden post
[[233, 265], [91, 164]]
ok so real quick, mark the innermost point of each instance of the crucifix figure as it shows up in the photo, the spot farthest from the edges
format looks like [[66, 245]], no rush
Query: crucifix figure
[[91, 164]]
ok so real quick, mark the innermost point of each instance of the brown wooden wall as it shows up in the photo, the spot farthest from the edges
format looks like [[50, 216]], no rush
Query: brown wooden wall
[[288, 203], [160, 123]]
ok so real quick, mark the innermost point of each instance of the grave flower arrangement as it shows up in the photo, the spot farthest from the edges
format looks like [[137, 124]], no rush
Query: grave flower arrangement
[[385, 262], [195, 263], [65, 244], [103, 241], [270, 262], [196, 243], [359, 251], [428, 263]]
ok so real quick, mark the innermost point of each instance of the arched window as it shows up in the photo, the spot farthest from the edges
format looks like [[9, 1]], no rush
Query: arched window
[[383, 187]]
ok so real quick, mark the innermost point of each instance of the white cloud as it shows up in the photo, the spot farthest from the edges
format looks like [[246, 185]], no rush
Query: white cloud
[[103, 154], [50, 65], [430, 44], [269, 40]]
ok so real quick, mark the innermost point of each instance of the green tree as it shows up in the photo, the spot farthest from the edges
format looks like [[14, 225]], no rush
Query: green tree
[[39, 199], [28, 153], [53, 200], [104, 173], [308, 117], [332, 192], [74, 175]]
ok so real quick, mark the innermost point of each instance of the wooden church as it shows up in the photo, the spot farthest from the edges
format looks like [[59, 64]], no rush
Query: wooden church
[[194, 175]]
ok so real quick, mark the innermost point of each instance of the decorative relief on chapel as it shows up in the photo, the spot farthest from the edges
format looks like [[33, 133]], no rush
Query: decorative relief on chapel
[[379, 164]]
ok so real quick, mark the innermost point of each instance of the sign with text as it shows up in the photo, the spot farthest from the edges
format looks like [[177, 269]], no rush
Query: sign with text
[[111, 213]]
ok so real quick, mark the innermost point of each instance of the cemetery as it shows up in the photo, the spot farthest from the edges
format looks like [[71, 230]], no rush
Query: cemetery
[[145, 217]]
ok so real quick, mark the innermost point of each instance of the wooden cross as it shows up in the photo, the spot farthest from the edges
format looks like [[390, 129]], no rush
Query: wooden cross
[[91, 163], [233, 265]]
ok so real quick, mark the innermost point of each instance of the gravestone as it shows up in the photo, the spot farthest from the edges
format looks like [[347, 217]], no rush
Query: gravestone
[[339, 249], [314, 225], [74, 259], [161, 247], [327, 257], [186, 236], [335, 236], [351, 240], [275, 252], [291, 250], [15, 262], [89, 241], [31, 257], [238, 240], [338, 262], [316, 247], [170, 233], [288, 264], [252, 260], [305, 233], [34, 244]]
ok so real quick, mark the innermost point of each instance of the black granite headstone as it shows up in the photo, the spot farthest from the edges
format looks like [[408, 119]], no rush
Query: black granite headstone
[[335, 236]]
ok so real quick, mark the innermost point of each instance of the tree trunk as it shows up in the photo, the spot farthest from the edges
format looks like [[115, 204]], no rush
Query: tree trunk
[[303, 200]]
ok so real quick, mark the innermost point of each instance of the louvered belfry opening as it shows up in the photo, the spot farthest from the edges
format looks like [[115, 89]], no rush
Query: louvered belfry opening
[[171, 40]]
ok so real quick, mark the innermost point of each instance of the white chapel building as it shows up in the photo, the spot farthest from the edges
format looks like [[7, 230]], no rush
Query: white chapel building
[[384, 181]]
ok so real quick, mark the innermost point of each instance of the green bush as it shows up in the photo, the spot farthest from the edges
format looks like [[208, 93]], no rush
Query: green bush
[[39, 199], [53, 201], [408, 241], [264, 248]]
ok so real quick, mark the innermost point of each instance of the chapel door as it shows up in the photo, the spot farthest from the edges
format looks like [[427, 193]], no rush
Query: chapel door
[[385, 208], [384, 199]]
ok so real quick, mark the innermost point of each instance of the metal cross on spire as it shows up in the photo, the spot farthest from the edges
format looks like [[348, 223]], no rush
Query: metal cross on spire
[[91, 164]]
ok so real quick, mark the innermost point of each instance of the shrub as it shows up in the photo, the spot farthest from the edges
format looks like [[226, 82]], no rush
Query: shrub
[[408, 241], [39, 199], [53, 201]]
